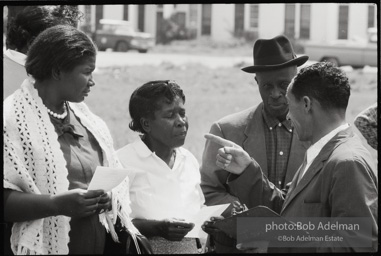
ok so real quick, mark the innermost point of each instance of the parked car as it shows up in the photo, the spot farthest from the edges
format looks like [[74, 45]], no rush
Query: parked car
[[120, 36], [354, 52]]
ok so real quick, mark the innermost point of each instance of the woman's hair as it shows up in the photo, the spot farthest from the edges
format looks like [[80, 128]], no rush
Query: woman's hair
[[145, 100], [58, 48], [32, 20]]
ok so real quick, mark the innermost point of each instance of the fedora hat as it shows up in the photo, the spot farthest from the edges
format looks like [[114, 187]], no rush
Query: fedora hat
[[275, 53]]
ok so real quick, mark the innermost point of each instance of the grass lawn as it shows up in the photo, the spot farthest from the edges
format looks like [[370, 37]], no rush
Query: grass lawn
[[210, 95]]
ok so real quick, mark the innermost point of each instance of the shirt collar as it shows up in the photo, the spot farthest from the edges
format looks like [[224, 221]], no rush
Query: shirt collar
[[272, 122], [315, 149], [143, 151], [141, 148], [16, 56], [65, 126]]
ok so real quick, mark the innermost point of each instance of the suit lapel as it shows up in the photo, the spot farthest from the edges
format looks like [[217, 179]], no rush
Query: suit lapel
[[316, 166], [293, 183], [255, 144], [295, 159]]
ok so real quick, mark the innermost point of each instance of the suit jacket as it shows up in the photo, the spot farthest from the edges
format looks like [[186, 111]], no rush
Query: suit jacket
[[340, 182], [246, 129]]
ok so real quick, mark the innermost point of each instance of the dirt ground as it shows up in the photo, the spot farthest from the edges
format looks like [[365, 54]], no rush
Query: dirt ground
[[210, 95]]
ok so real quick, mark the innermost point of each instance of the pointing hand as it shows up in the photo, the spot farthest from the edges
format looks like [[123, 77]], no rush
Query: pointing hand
[[231, 157]]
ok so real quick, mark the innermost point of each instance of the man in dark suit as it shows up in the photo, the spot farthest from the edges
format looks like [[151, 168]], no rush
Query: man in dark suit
[[262, 130], [338, 176]]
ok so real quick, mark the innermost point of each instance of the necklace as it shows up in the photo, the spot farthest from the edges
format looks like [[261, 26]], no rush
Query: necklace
[[59, 116]]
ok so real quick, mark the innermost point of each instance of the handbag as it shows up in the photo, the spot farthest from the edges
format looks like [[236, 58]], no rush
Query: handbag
[[140, 246], [129, 243]]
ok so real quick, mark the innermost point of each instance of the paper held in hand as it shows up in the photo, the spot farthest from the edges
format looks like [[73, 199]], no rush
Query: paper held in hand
[[107, 178], [203, 215]]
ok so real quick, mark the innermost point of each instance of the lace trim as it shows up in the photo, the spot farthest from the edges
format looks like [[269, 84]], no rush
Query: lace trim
[[34, 163]]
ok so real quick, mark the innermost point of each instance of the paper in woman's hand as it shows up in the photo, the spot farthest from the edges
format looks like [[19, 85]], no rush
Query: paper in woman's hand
[[203, 215], [107, 178]]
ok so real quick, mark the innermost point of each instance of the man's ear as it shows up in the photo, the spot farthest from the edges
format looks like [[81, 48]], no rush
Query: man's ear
[[56, 73], [307, 104], [144, 122]]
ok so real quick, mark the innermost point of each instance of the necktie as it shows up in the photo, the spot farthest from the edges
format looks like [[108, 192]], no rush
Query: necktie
[[302, 167]]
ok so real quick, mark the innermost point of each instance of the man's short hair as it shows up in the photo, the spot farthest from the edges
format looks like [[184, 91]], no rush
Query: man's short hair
[[325, 83]]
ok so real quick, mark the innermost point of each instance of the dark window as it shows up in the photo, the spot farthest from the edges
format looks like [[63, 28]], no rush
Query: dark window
[[159, 27], [305, 17], [343, 22], [179, 18], [141, 18], [289, 23], [98, 14], [371, 15], [206, 22], [254, 15], [239, 18], [125, 12]]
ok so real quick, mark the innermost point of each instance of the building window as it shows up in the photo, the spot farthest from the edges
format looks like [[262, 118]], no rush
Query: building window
[[289, 23], [371, 16], [86, 27], [206, 22], [305, 18], [193, 15], [192, 29], [141, 18], [254, 16], [125, 12], [98, 14], [343, 22], [239, 18]]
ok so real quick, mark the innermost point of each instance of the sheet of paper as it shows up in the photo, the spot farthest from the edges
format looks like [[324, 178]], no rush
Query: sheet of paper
[[107, 178], [203, 215]]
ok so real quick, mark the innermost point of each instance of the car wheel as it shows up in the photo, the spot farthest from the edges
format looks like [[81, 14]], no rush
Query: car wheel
[[333, 60], [121, 46], [143, 51]]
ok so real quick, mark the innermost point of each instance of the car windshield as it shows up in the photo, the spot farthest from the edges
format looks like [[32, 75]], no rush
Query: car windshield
[[117, 28]]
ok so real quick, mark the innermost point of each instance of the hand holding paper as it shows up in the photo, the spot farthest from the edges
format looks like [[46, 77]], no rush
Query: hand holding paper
[[205, 214], [107, 178]]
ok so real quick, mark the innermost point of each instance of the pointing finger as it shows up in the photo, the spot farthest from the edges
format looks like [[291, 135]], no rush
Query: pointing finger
[[219, 140]]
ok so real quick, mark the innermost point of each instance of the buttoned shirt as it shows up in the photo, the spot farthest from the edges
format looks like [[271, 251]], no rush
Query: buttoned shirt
[[315, 149], [157, 191], [82, 154], [278, 137]]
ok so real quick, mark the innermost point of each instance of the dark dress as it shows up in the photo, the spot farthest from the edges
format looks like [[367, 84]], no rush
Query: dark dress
[[82, 154]]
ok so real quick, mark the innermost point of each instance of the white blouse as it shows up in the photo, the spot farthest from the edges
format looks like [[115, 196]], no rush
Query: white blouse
[[158, 192]]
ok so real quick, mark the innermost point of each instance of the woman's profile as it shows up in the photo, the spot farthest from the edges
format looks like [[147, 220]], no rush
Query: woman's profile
[[52, 146]]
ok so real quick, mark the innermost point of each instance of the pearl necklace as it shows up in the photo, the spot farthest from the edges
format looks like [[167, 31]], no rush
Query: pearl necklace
[[59, 116]]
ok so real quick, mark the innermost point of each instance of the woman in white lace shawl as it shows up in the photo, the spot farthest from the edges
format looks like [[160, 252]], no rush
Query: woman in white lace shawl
[[52, 145]]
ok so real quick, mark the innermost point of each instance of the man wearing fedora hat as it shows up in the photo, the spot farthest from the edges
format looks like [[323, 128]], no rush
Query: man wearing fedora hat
[[263, 131], [337, 182]]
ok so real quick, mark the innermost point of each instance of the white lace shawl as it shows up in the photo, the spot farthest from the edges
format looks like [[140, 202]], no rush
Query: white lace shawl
[[34, 163]]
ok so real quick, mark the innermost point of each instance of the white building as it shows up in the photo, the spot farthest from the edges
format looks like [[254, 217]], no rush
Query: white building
[[221, 22]]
